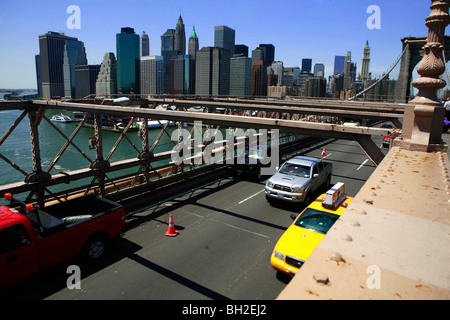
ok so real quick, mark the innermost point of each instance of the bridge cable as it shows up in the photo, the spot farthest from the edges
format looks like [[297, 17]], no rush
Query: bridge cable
[[384, 76], [446, 68]]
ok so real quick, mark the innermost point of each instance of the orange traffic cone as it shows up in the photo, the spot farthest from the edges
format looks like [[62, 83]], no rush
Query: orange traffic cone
[[323, 152], [171, 232]]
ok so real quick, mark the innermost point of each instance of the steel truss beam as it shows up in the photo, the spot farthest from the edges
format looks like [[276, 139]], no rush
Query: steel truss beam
[[327, 130]]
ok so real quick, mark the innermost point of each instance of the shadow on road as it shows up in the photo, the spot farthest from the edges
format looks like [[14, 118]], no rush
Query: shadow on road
[[55, 279], [178, 278]]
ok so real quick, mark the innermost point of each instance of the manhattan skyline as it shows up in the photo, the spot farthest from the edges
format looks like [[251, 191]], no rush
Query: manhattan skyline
[[316, 29]]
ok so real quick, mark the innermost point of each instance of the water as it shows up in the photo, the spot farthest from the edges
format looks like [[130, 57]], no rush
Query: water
[[17, 147]]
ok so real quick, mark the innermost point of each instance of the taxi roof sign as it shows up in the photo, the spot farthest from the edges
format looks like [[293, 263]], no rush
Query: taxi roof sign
[[334, 196]]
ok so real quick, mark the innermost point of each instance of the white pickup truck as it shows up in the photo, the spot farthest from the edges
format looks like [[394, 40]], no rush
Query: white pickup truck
[[298, 179]]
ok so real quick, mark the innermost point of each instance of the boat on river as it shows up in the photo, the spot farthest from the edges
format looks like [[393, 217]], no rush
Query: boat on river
[[61, 118]]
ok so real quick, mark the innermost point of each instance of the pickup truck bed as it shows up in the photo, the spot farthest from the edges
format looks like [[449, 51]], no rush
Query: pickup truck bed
[[68, 214]]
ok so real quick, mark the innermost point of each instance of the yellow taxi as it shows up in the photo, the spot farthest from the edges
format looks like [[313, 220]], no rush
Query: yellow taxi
[[308, 229]]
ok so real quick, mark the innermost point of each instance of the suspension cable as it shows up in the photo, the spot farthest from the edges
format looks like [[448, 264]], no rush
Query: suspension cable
[[446, 68], [384, 76]]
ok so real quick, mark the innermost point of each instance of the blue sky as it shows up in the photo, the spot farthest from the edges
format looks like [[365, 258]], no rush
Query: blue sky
[[316, 29]]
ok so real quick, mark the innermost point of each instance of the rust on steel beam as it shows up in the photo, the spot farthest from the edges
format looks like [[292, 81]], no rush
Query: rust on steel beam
[[335, 103], [325, 109], [67, 177], [309, 103], [289, 126]]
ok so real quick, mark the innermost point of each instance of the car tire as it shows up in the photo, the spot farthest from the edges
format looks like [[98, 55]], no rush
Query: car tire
[[258, 174], [328, 184], [308, 199], [94, 247]]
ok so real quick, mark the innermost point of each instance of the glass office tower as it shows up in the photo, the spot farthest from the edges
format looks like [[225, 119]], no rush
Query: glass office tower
[[339, 62], [51, 61], [127, 50], [152, 75], [224, 37], [240, 76], [74, 55], [145, 45]]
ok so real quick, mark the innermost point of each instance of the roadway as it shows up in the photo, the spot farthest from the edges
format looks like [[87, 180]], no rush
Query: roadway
[[227, 232]]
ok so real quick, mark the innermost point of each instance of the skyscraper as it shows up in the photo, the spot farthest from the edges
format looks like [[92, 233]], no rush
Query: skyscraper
[[180, 37], [365, 62], [177, 75], [168, 40], [152, 75], [315, 87], [224, 37], [259, 78], [339, 62], [128, 53], [241, 50], [277, 68], [145, 45], [168, 52], [74, 55], [319, 70], [258, 55], [37, 60], [85, 80], [106, 84], [193, 45], [51, 61], [240, 76], [347, 71], [306, 65], [212, 74], [269, 53]]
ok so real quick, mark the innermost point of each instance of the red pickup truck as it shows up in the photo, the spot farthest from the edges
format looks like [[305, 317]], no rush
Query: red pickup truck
[[32, 240]]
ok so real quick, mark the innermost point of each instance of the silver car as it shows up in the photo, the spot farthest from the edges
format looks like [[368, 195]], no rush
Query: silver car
[[298, 178]]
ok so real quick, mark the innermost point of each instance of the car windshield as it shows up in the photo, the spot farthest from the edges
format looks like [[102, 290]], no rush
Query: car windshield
[[316, 220], [295, 170]]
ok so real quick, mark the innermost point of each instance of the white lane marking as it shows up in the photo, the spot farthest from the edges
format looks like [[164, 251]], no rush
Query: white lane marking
[[362, 164], [251, 196], [255, 233], [227, 224], [327, 156]]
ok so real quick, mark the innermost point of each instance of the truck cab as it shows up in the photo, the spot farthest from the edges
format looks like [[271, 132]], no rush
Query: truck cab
[[18, 249]]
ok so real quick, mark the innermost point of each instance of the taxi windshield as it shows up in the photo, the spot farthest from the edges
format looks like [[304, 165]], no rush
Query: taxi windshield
[[316, 220]]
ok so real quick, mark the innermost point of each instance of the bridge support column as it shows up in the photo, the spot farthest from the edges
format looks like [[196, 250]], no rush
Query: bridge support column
[[99, 164], [370, 148], [37, 176], [424, 115], [145, 153]]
